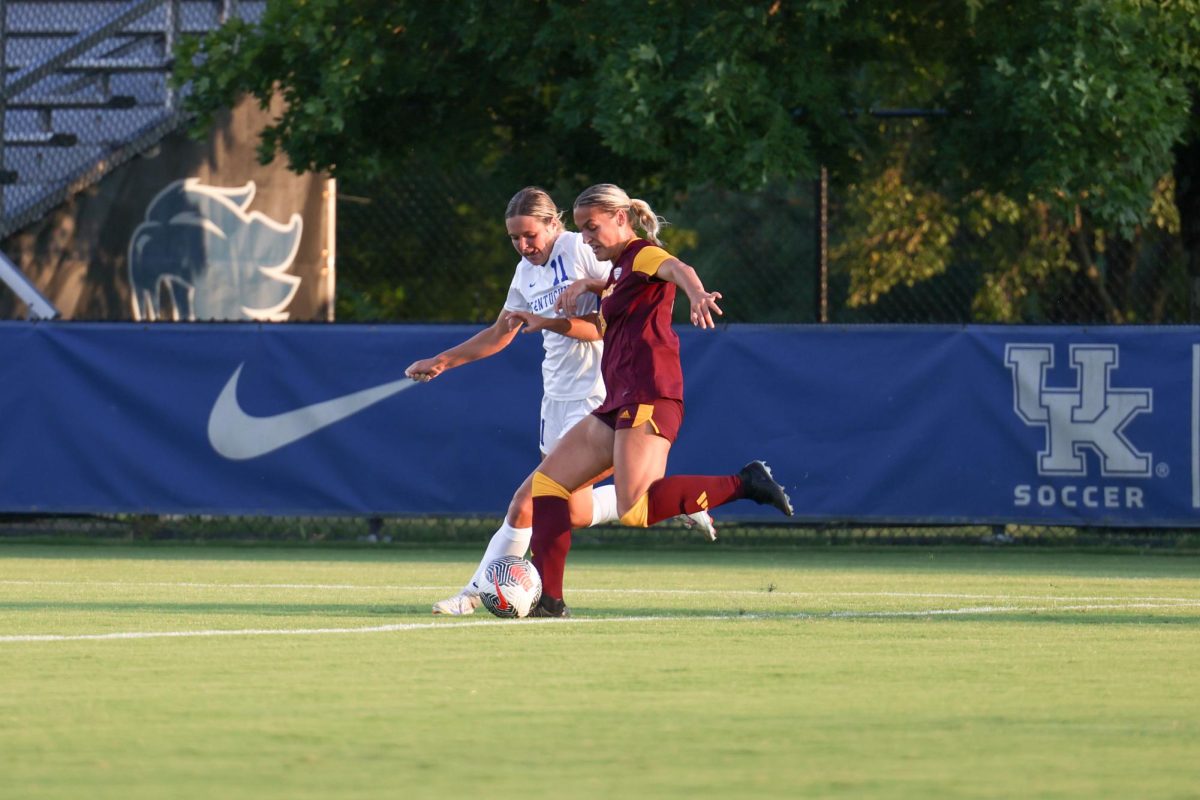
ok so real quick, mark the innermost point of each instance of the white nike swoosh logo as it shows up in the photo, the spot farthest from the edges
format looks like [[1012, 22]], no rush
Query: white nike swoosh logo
[[238, 436]]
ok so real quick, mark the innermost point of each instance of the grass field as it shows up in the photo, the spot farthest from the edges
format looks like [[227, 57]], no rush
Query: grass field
[[201, 672]]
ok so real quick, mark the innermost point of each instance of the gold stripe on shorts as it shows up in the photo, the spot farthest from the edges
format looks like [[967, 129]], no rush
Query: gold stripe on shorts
[[645, 413]]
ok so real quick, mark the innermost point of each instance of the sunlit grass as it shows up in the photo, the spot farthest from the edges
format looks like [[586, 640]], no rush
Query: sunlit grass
[[704, 672]]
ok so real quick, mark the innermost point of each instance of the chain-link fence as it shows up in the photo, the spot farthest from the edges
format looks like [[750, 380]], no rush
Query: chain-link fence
[[432, 246], [884, 247]]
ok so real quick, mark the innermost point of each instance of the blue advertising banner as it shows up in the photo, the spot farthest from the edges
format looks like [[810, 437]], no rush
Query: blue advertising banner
[[889, 424]]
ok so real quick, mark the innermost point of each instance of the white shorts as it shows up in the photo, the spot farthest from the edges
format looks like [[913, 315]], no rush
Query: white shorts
[[559, 416]]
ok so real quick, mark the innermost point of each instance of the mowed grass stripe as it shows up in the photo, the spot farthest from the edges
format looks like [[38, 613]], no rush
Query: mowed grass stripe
[[449, 624], [604, 591]]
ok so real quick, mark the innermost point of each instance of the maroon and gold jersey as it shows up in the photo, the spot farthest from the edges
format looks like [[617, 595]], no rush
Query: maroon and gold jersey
[[641, 351]]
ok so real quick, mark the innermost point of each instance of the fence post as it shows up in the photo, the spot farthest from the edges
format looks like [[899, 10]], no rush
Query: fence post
[[821, 249]]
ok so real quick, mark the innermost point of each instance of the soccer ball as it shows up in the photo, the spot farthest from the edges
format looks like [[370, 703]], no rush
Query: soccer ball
[[510, 586]]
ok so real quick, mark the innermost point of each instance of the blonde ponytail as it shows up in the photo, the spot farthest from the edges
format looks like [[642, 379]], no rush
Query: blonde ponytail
[[646, 219], [612, 199]]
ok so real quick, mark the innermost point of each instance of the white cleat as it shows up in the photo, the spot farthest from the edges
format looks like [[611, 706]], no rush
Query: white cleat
[[462, 603], [700, 521]]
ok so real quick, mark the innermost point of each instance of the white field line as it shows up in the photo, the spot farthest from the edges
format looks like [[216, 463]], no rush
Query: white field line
[[662, 592], [454, 625]]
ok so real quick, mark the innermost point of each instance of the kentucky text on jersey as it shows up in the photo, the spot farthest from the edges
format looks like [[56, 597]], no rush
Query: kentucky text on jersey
[[545, 302]]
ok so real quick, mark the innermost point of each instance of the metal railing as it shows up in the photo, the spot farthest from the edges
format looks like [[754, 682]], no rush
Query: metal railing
[[85, 87]]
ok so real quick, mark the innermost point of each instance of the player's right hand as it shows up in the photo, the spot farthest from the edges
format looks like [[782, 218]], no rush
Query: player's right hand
[[703, 307], [424, 370], [568, 301], [568, 298]]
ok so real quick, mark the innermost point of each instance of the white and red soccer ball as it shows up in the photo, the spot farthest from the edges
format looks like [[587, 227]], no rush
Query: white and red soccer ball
[[510, 587]]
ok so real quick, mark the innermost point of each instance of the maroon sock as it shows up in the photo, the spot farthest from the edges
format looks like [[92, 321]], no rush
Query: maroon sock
[[686, 494], [551, 541]]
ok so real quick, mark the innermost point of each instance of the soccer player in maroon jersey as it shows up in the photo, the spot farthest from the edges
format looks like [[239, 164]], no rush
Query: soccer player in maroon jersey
[[632, 430]]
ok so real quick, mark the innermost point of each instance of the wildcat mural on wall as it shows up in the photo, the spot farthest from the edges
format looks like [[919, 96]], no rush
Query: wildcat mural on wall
[[199, 247], [188, 230]]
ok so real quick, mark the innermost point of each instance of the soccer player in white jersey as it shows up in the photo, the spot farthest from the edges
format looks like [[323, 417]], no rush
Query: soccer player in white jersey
[[551, 259]]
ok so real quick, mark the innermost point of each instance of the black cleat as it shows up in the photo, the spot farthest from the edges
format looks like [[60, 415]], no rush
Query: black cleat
[[548, 606], [759, 486]]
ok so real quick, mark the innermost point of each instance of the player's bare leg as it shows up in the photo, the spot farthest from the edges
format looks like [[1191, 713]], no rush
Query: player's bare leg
[[644, 456], [639, 459]]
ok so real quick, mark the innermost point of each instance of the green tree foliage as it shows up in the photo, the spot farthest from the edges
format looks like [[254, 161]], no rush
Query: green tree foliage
[[1067, 126], [449, 261], [558, 88]]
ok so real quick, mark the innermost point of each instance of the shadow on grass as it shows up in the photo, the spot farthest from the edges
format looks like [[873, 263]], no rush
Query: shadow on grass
[[346, 610], [786, 566], [1050, 617]]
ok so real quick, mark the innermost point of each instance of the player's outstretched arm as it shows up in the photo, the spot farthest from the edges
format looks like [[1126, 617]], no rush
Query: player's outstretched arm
[[487, 342], [703, 302]]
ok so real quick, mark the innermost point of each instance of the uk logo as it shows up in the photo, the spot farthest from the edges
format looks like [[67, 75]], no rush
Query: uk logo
[[1090, 415]]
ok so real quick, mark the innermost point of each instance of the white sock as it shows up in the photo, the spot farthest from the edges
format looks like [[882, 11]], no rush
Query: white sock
[[604, 504], [506, 541]]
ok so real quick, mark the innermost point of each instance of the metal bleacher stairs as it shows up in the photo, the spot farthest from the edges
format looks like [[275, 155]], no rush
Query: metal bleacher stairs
[[85, 87]]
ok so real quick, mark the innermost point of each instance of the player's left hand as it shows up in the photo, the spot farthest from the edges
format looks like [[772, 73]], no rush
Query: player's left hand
[[703, 308], [514, 320], [527, 321]]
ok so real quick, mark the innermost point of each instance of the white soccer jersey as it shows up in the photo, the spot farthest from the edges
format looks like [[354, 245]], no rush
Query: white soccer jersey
[[571, 367]]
